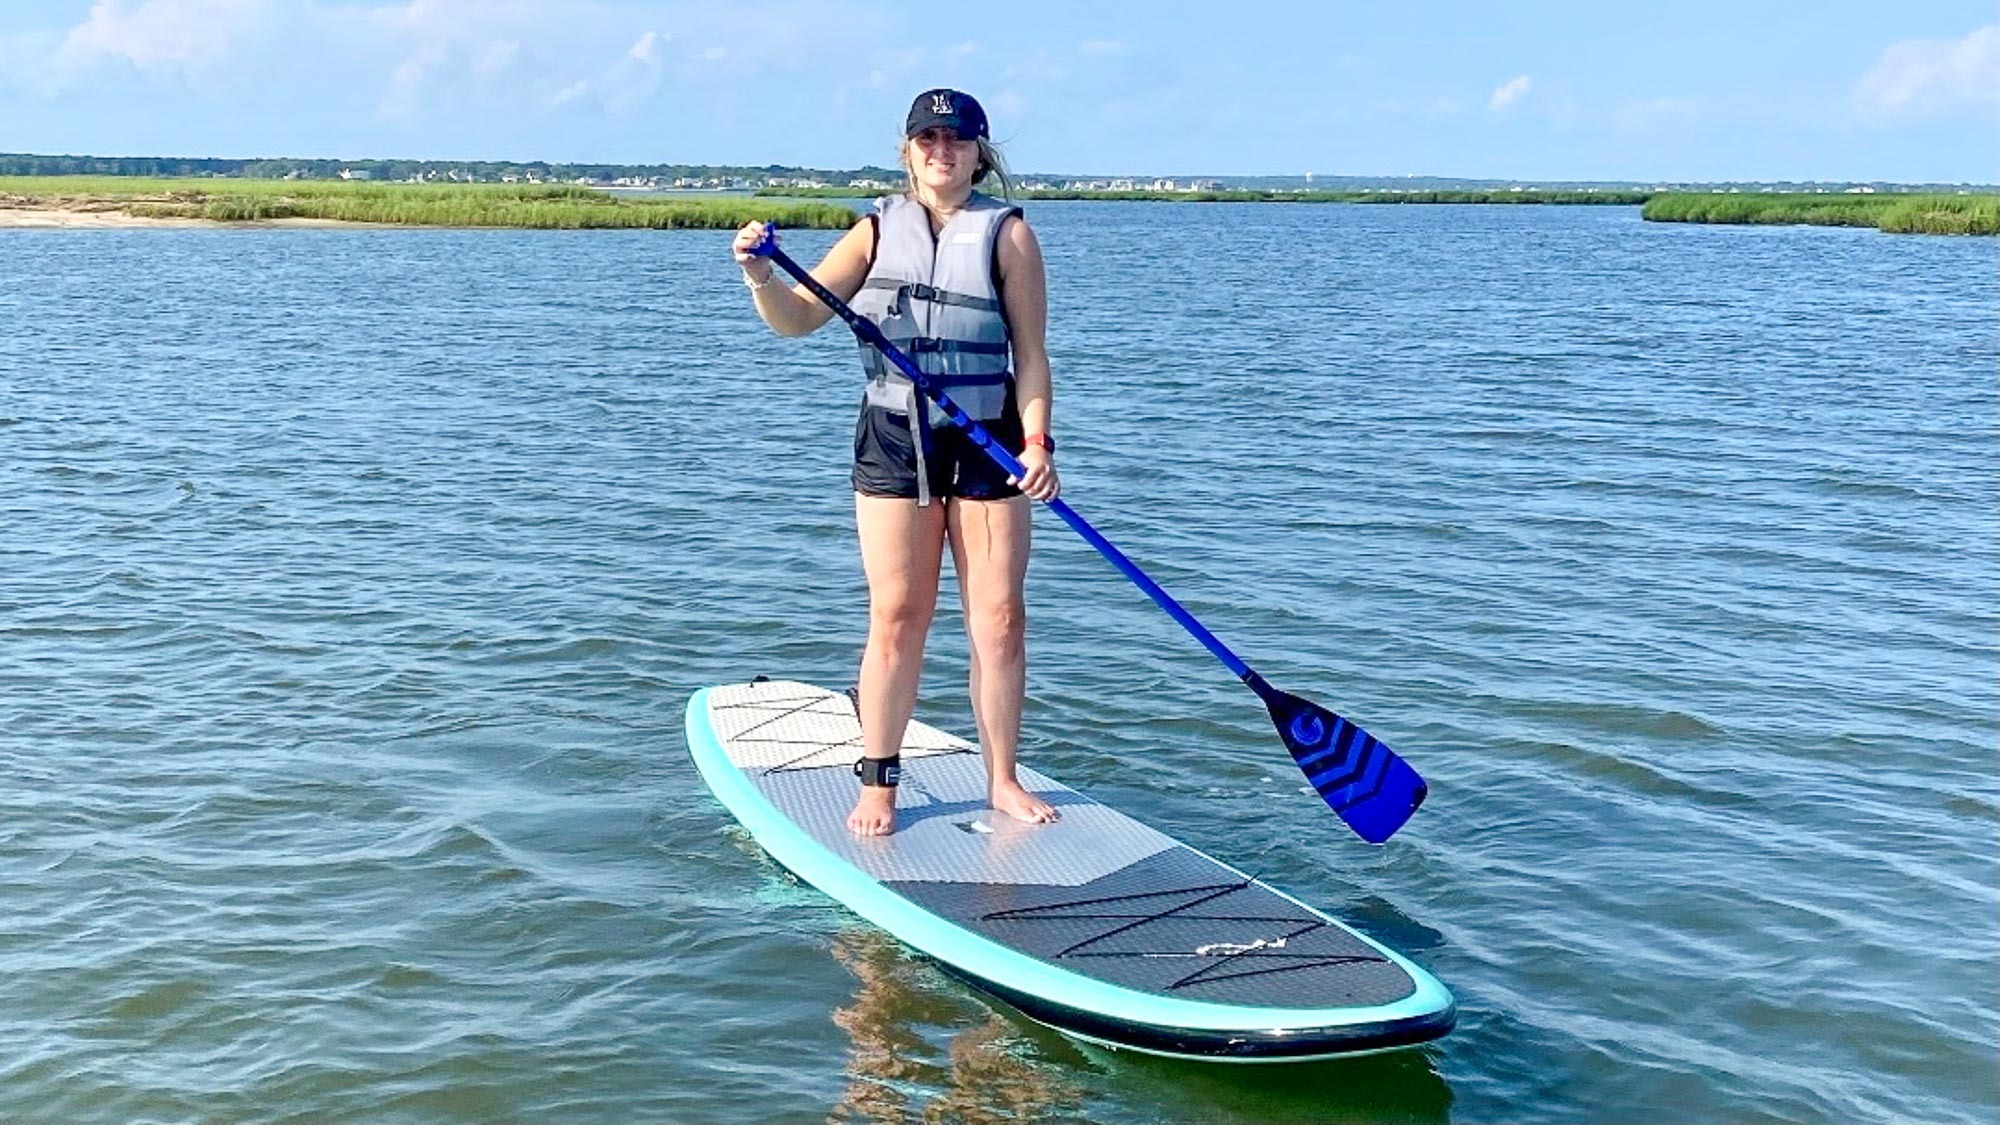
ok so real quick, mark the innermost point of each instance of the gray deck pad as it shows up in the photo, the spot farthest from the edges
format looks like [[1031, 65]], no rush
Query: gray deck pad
[[1097, 892]]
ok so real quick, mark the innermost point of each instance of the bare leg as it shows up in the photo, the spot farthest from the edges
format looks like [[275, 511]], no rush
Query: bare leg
[[989, 545], [901, 548]]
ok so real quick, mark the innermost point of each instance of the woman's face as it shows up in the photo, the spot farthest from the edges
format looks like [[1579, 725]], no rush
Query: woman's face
[[941, 161]]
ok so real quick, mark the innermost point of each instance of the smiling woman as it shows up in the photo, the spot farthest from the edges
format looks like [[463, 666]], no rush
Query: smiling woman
[[955, 277], [935, 139]]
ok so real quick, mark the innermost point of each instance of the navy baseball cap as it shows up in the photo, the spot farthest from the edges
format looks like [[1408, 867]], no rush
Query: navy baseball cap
[[946, 109]]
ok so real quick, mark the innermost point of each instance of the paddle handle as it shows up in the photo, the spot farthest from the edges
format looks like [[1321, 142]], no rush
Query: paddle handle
[[872, 335]]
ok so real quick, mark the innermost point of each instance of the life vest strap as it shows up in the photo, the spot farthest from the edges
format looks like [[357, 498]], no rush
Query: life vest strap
[[917, 345], [932, 294]]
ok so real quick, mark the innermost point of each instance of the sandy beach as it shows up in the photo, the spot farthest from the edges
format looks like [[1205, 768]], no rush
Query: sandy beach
[[58, 218]]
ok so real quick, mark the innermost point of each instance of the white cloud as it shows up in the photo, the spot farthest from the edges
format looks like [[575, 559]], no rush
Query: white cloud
[[417, 58], [1653, 112], [494, 57], [1036, 67], [26, 60], [452, 52], [1509, 92], [647, 48], [1921, 77], [626, 84], [178, 37]]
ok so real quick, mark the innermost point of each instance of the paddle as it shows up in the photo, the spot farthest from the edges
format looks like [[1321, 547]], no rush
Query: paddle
[[1361, 779]]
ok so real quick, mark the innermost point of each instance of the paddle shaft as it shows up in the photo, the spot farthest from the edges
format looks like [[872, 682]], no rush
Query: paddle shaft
[[1362, 780], [872, 335]]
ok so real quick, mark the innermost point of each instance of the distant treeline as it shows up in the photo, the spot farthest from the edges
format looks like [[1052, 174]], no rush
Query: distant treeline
[[174, 167], [1324, 187]]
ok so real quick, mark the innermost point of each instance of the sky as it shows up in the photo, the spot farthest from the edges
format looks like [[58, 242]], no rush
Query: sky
[[1692, 90]]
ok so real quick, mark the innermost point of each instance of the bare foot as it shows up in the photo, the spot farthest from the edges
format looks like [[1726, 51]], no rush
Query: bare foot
[[1010, 798], [874, 812]]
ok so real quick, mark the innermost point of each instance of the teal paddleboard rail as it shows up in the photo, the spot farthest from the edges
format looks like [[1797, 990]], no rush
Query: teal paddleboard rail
[[1426, 1012]]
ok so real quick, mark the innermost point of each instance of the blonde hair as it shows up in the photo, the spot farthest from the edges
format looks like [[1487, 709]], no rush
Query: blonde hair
[[991, 164]]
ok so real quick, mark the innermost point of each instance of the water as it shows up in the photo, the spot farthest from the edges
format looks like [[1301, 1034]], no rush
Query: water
[[352, 583]]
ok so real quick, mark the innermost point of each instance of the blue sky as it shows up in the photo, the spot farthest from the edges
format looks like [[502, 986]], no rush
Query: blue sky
[[1690, 90]]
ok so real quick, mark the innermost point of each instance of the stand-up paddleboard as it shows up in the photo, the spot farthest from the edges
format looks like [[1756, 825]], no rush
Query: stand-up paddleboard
[[1095, 925]]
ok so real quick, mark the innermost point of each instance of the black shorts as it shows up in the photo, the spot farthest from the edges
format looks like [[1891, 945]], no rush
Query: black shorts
[[885, 457]]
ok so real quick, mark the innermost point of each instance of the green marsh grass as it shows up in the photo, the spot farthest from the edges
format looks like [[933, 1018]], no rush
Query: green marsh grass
[[1893, 212], [533, 206], [1890, 212]]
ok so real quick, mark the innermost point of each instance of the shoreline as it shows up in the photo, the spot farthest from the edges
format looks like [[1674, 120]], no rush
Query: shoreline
[[70, 218], [100, 202], [1888, 212]]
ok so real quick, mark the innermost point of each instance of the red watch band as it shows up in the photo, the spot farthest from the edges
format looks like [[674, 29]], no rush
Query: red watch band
[[1043, 440]]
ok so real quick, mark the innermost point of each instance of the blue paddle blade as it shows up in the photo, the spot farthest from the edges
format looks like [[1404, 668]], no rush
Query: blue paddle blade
[[1362, 780]]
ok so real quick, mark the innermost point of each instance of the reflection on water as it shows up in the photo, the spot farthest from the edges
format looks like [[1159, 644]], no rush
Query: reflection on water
[[1402, 1086], [898, 1071], [923, 1048]]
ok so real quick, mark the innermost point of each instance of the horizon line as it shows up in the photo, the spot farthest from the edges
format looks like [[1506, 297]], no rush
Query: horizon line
[[1299, 175]]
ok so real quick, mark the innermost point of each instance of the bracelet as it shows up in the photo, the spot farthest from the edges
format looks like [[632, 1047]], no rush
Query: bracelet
[[759, 286]]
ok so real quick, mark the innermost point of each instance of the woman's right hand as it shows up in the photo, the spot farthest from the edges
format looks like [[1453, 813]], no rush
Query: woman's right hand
[[746, 238]]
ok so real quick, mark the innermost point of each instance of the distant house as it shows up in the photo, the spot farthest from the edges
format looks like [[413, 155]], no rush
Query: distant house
[[356, 174]]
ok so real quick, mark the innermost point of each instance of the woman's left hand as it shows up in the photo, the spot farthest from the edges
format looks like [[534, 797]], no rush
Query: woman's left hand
[[1040, 482]]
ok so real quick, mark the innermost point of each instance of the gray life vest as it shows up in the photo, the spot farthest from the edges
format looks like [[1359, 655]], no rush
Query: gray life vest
[[938, 300]]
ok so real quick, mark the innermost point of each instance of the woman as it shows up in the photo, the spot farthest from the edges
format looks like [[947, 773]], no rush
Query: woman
[[955, 279]]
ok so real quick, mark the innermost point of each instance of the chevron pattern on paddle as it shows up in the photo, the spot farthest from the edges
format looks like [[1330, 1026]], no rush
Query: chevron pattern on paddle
[[1354, 772]]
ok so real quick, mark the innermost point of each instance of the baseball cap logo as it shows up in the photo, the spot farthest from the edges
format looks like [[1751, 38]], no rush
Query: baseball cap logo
[[948, 109]]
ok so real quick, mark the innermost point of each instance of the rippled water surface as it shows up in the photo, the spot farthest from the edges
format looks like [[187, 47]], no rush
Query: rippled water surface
[[352, 584]]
